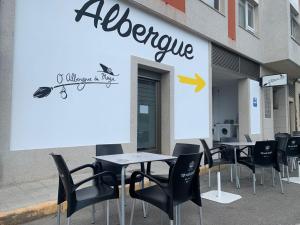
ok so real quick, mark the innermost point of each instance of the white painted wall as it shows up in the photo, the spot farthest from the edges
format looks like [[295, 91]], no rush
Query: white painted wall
[[225, 103]]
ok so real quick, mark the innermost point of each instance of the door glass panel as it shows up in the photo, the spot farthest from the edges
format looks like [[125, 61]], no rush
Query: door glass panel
[[147, 114]]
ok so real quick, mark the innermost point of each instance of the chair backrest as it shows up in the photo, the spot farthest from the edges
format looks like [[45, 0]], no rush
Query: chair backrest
[[184, 178], [181, 149], [64, 175], [282, 142], [296, 133], [293, 147], [207, 154], [265, 153], [111, 149], [248, 138], [282, 135]]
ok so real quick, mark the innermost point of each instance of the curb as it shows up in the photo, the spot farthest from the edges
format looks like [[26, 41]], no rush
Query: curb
[[37, 211]]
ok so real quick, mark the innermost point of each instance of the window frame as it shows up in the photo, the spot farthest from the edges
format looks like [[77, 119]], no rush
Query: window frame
[[247, 5], [213, 5], [248, 27]]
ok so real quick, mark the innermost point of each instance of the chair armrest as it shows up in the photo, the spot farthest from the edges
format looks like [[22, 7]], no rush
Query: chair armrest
[[105, 173], [83, 167], [133, 181]]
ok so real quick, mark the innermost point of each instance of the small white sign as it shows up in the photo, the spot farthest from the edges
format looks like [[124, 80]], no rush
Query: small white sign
[[144, 109], [274, 80]]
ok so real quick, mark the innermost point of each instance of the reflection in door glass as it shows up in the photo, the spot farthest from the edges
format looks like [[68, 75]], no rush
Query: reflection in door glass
[[147, 114]]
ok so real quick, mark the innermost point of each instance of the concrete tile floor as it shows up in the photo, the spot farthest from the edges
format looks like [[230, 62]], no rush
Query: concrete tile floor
[[267, 207]]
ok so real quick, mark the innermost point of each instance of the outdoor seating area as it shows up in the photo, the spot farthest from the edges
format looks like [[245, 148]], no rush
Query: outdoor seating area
[[169, 193], [170, 112]]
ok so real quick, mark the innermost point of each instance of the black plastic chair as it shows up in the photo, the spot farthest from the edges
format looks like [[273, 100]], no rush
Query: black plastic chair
[[179, 149], [289, 149], [81, 198], [225, 157], [183, 186], [264, 155], [114, 149]]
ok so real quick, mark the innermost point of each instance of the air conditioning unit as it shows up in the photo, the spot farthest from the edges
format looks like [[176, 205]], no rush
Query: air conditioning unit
[[223, 130]]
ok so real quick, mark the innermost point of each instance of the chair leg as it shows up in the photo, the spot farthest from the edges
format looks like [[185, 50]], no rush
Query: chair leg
[[143, 203], [179, 214], [254, 182], [69, 220], [201, 215], [93, 214], [294, 163], [107, 212], [209, 178], [262, 176], [283, 170], [273, 177], [279, 174], [288, 174], [231, 173], [58, 214], [132, 211], [161, 217], [171, 222], [119, 212], [176, 215]]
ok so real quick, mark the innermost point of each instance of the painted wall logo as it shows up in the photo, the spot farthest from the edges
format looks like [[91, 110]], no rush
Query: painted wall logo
[[124, 27], [104, 76], [197, 81]]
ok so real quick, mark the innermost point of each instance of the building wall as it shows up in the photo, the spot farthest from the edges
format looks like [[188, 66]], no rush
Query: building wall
[[24, 166], [281, 110], [225, 103], [267, 45]]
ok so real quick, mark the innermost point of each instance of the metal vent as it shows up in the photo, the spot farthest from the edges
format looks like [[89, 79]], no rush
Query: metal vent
[[249, 68], [231, 61], [267, 103], [292, 90], [225, 59]]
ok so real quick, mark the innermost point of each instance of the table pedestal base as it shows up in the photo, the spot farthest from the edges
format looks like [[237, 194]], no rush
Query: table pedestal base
[[224, 198], [219, 195]]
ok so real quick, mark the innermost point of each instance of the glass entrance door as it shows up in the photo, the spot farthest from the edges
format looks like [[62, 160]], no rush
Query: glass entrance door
[[148, 131]]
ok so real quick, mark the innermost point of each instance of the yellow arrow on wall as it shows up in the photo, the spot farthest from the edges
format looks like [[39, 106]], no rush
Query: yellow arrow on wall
[[197, 81]]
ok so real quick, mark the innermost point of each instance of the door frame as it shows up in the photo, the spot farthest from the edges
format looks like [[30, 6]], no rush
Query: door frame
[[167, 103]]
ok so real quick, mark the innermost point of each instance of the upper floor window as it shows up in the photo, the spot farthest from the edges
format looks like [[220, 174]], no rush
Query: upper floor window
[[247, 15], [294, 25], [213, 3]]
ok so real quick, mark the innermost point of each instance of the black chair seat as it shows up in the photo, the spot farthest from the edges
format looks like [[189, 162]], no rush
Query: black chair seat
[[247, 161], [155, 196], [109, 181], [93, 194]]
